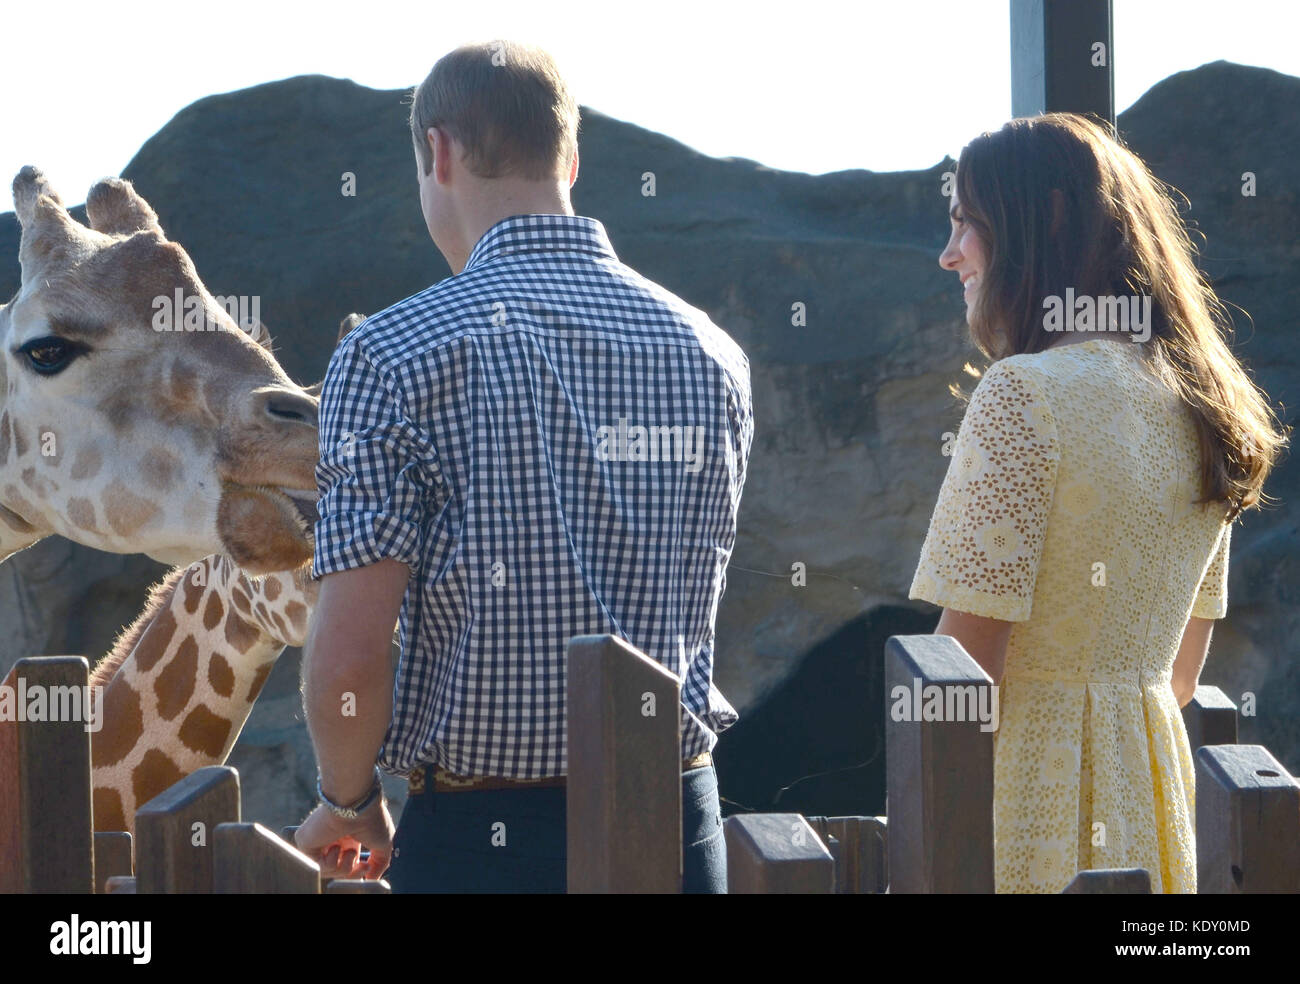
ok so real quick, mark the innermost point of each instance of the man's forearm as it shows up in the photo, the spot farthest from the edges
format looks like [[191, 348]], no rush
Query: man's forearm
[[348, 697], [348, 675]]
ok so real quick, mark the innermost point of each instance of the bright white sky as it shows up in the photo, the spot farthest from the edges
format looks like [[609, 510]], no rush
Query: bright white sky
[[808, 85]]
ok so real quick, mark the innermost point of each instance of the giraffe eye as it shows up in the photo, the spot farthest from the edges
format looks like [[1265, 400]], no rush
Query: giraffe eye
[[49, 355]]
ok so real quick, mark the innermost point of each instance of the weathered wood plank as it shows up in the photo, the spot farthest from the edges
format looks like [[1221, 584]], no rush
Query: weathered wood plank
[[46, 825], [776, 854], [112, 857], [939, 773], [1247, 822], [120, 885], [858, 846], [250, 859], [357, 886], [624, 786], [1110, 881], [1210, 718], [174, 831]]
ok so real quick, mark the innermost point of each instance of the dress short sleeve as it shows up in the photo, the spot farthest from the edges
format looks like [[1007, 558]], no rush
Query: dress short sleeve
[[1212, 596], [377, 472], [986, 535]]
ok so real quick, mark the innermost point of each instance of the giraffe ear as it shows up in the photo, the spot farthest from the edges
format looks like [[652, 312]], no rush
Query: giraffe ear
[[48, 231], [347, 324], [115, 207]]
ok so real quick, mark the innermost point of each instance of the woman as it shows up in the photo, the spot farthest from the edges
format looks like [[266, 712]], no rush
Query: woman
[[1079, 546]]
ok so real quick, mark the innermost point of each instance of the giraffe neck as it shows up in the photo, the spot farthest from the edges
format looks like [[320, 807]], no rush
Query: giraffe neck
[[181, 681]]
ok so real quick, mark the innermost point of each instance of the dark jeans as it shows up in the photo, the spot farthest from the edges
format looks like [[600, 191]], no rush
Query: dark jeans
[[513, 840]]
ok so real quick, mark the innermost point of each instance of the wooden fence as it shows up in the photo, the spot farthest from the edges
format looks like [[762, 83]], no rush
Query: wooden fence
[[188, 839], [624, 802], [938, 836]]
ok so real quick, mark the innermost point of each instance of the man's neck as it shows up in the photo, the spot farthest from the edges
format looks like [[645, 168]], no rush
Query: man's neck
[[498, 203]]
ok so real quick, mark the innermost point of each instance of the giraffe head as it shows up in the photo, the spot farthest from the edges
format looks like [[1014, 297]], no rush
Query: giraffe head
[[123, 437]]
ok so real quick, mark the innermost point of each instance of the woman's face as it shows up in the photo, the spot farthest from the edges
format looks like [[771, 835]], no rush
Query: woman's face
[[964, 255]]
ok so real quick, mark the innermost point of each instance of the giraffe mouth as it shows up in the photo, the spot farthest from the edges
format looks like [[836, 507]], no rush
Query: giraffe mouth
[[304, 504]]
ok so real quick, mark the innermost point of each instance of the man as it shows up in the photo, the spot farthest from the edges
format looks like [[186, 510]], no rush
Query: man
[[476, 468]]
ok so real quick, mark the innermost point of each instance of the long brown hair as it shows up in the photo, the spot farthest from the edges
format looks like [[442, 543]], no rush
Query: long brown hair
[[1060, 203]]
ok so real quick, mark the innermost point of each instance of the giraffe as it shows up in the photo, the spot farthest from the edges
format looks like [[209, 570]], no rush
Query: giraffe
[[181, 681], [122, 437]]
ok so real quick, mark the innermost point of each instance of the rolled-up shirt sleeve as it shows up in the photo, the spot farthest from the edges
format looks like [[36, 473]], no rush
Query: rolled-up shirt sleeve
[[378, 475]]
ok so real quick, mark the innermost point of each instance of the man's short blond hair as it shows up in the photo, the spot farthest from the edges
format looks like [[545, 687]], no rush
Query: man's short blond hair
[[507, 105]]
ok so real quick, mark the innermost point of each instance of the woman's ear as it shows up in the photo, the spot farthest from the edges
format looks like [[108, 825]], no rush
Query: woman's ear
[[1058, 211]]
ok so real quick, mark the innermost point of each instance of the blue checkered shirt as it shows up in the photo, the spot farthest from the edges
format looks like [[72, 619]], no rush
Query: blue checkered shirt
[[555, 446]]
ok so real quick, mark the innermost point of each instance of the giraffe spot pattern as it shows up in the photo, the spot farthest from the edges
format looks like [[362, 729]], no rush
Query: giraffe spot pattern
[[259, 680], [297, 613], [86, 464], [175, 684], [123, 724], [212, 612], [125, 511], [280, 624], [271, 588], [4, 436], [158, 466], [220, 676], [241, 602], [153, 775], [81, 514], [106, 805], [205, 732], [240, 634], [192, 593], [155, 640]]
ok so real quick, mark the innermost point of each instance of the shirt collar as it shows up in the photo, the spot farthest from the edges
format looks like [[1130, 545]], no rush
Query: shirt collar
[[536, 233]]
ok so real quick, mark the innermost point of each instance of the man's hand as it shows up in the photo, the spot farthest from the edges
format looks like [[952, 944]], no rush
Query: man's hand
[[336, 844]]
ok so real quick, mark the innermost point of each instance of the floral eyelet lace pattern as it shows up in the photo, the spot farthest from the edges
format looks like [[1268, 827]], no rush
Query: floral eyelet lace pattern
[[1068, 509]]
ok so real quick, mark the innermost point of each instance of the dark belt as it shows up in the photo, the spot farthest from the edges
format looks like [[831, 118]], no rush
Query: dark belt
[[449, 782]]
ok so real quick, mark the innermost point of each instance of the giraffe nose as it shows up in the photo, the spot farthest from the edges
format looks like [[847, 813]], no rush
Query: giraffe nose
[[286, 404]]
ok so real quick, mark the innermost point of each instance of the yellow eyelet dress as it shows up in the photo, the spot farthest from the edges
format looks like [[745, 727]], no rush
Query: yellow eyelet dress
[[1068, 510]]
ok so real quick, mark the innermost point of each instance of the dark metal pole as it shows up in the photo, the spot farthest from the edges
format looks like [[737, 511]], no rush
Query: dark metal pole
[[1063, 57]]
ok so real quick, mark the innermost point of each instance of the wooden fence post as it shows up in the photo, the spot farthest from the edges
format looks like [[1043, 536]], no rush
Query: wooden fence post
[[624, 785], [1110, 881], [357, 886], [1247, 822], [776, 854], [859, 851], [248, 859], [1210, 718], [939, 708], [174, 831], [112, 857], [46, 824]]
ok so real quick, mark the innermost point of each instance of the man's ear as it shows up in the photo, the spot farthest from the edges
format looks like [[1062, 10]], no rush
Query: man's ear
[[440, 146], [573, 168]]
